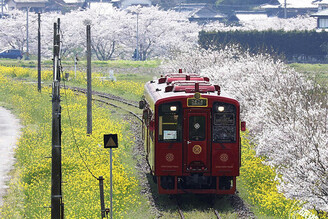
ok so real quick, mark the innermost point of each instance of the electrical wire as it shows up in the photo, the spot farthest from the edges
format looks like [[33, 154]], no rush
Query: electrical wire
[[71, 126]]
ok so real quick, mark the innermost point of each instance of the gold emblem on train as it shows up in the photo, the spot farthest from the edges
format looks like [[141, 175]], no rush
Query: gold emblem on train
[[224, 157], [169, 157], [197, 149]]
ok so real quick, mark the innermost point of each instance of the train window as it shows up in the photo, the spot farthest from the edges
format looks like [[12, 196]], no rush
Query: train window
[[197, 128], [170, 122], [224, 122], [224, 119]]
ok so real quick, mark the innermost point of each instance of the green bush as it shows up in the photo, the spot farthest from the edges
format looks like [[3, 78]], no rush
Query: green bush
[[287, 43]]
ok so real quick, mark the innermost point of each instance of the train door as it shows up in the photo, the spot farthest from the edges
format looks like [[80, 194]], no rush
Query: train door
[[197, 144]]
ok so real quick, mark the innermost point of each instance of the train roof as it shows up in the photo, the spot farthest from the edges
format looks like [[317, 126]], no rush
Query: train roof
[[180, 84]]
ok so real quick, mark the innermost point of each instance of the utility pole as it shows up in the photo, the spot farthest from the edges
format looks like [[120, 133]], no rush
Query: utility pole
[[89, 90], [27, 50], [39, 52], [102, 199], [285, 9], [57, 207], [75, 65], [2, 3], [137, 49]]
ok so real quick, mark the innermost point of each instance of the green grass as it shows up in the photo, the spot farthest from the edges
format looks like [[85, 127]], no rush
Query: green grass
[[109, 64], [19, 63], [317, 72]]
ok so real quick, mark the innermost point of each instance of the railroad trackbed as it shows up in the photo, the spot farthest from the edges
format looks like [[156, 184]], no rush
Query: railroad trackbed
[[191, 206], [215, 213]]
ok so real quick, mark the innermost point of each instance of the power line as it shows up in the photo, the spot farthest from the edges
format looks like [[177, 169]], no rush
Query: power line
[[73, 134]]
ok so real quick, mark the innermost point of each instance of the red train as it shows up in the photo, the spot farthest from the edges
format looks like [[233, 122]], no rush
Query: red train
[[191, 134]]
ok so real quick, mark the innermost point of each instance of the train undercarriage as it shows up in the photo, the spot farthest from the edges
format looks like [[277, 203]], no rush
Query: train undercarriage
[[196, 183]]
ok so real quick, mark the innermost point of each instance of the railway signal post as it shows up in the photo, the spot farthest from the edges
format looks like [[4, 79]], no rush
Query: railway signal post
[[110, 141]]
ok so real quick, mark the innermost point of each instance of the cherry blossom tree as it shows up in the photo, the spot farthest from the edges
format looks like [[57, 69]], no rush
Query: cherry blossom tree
[[108, 30], [161, 33], [13, 30], [286, 113], [113, 32]]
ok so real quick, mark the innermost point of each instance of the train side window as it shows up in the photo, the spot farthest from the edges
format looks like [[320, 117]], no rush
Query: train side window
[[169, 122]]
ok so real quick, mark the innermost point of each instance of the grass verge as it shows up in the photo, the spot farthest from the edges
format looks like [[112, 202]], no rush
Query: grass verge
[[316, 72], [110, 64]]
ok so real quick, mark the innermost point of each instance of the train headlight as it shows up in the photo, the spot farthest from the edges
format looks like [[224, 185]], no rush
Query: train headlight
[[220, 108], [173, 108]]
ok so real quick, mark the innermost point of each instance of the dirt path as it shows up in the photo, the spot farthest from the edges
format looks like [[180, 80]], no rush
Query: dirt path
[[9, 133]]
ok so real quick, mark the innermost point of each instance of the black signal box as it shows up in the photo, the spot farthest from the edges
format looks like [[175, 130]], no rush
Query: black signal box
[[110, 141]]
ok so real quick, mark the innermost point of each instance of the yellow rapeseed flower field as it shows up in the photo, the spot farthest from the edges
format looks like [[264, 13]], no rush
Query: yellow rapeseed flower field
[[259, 181], [98, 80], [33, 167]]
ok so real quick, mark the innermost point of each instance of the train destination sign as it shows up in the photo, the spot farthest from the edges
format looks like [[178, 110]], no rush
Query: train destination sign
[[193, 102], [110, 141]]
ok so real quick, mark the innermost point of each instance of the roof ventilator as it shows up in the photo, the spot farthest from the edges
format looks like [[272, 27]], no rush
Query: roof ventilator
[[169, 89], [161, 80]]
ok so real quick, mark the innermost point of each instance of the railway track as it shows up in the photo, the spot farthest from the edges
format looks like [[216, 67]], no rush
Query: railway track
[[102, 97], [182, 215], [217, 215], [179, 208], [105, 98], [105, 95]]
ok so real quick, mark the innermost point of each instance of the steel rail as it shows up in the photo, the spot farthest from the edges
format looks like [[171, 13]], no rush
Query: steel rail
[[178, 207], [103, 95], [111, 104], [217, 214], [180, 213]]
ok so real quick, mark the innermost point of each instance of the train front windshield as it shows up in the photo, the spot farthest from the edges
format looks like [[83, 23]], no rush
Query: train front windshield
[[170, 122], [224, 122]]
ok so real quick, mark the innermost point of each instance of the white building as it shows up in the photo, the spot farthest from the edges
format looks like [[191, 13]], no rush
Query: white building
[[293, 8], [33, 5], [322, 16], [126, 3], [322, 5]]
